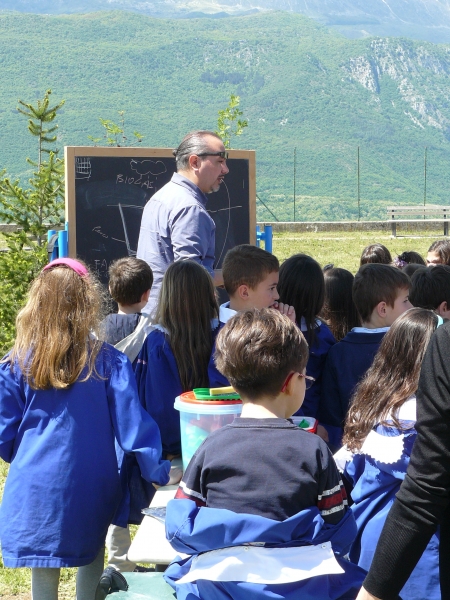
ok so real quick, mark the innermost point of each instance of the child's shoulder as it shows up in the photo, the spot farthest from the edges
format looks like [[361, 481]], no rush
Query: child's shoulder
[[115, 327], [264, 433], [358, 337], [323, 333]]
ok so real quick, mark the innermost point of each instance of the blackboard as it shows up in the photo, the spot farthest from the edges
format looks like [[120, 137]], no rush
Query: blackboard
[[107, 189]]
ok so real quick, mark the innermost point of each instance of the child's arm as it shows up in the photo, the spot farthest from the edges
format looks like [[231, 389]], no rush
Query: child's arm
[[135, 430], [158, 384], [191, 487], [12, 405], [332, 498]]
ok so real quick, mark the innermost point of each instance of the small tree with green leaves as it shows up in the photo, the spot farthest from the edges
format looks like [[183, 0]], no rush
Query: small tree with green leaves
[[229, 122], [34, 210], [115, 133]]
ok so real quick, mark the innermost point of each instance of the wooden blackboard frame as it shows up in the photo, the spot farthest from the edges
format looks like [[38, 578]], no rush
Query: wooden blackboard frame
[[71, 152]]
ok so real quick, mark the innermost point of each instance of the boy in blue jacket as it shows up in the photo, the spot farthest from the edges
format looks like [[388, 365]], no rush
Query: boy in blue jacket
[[261, 508], [380, 294], [250, 277]]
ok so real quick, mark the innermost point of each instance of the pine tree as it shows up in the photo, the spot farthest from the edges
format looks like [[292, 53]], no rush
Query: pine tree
[[34, 210]]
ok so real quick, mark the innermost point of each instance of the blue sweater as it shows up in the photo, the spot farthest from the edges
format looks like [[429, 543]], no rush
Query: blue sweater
[[324, 340], [347, 362], [63, 485]]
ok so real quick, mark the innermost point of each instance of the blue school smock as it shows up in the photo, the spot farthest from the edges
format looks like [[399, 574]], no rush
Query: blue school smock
[[318, 351], [196, 531], [159, 384], [63, 485], [376, 484]]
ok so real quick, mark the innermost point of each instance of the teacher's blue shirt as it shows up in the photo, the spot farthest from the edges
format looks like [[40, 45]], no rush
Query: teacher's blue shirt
[[175, 226]]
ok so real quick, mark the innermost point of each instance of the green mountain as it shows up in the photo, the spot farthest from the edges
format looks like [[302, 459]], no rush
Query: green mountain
[[301, 86], [418, 19]]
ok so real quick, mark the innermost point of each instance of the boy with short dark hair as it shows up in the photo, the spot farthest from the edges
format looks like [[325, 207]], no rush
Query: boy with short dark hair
[[262, 482], [381, 294], [250, 276], [130, 282], [430, 288]]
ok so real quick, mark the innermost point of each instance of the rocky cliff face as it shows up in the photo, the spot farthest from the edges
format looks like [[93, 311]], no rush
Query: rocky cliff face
[[410, 68]]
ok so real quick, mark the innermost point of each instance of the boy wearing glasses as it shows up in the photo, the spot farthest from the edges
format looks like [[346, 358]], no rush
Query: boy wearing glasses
[[261, 499]]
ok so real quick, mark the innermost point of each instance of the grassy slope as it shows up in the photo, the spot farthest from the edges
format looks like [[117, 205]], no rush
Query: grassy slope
[[341, 248], [295, 90]]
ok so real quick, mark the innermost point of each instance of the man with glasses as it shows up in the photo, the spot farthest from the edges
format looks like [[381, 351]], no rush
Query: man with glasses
[[175, 223]]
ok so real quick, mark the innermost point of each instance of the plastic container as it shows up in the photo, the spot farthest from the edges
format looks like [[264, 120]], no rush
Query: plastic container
[[199, 418], [301, 422]]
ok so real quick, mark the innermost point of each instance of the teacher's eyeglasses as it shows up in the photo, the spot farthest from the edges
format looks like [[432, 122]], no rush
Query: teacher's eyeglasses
[[308, 380], [221, 154]]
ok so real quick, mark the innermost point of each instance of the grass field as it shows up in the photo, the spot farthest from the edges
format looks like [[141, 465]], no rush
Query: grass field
[[342, 249]]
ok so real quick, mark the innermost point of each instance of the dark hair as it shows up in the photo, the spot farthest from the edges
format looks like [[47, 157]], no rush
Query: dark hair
[[442, 249], [247, 265], [129, 278], [375, 253], [187, 303], [430, 287], [192, 143], [375, 283], [411, 269], [407, 258], [393, 376], [257, 349], [302, 286], [339, 310]]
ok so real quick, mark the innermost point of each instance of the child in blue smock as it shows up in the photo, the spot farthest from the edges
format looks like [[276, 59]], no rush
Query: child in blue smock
[[261, 509], [379, 435], [175, 356], [302, 285], [64, 399]]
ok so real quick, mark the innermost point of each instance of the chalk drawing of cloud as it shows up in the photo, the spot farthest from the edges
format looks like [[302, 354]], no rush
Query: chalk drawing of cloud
[[148, 167]]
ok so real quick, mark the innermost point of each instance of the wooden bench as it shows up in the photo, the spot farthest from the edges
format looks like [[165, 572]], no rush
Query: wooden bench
[[439, 214]]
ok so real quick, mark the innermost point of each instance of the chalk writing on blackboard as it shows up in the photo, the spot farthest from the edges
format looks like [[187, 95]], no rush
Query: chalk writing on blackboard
[[82, 168], [108, 188]]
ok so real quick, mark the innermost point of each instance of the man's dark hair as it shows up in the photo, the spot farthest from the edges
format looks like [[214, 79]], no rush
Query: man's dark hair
[[375, 253], [192, 143], [430, 287], [129, 278], [375, 283], [442, 249], [257, 349], [247, 265]]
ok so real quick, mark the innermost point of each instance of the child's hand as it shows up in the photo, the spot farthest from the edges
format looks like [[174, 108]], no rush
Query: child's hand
[[322, 433], [364, 595], [176, 473], [285, 309]]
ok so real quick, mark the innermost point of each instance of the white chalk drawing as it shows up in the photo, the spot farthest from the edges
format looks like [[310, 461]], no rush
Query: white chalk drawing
[[82, 167], [148, 167], [228, 208]]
